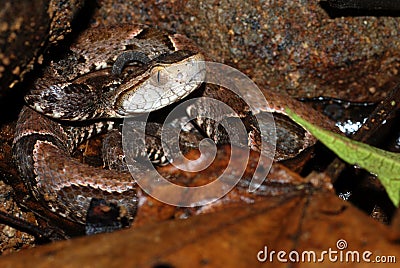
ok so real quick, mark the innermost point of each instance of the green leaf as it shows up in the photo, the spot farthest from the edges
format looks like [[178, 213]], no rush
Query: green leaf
[[384, 164]]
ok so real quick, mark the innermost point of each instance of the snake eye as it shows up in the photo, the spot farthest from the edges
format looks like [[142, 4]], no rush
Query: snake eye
[[159, 76]]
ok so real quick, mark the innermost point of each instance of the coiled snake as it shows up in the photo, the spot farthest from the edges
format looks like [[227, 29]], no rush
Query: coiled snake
[[107, 73]]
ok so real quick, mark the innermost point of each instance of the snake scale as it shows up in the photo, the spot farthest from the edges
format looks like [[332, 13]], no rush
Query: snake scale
[[107, 73]]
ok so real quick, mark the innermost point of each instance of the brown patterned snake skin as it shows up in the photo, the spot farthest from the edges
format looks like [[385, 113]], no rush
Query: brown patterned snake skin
[[105, 74]]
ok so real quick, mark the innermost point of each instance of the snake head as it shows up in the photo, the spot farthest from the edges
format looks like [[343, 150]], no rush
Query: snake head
[[124, 90], [167, 79]]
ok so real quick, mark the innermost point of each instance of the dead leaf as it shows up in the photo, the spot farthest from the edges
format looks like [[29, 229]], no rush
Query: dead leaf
[[229, 238]]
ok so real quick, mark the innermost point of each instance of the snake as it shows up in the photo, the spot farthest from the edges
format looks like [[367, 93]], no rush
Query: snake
[[107, 73]]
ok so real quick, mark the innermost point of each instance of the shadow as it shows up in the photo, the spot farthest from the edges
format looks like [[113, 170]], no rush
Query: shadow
[[352, 9]]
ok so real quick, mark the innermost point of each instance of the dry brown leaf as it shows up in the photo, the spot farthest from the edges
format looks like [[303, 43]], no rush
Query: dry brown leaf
[[229, 238]]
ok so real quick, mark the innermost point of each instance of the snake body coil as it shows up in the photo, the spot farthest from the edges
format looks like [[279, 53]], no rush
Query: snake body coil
[[116, 72]]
